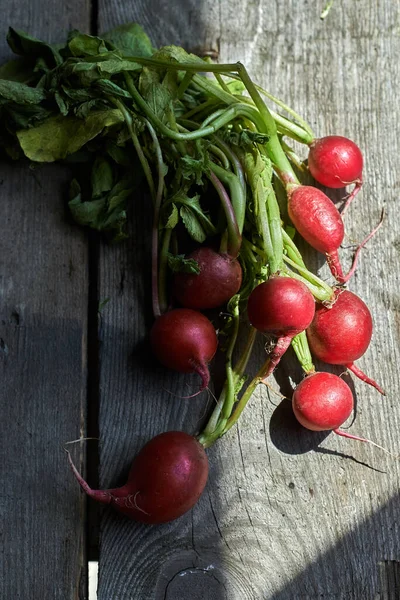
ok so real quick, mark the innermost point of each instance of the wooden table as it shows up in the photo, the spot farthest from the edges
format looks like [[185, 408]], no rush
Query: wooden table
[[287, 514]]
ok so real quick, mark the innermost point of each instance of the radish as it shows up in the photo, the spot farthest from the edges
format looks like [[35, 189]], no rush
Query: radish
[[282, 307], [185, 340], [323, 402], [336, 161], [319, 222], [165, 480], [341, 334], [219, 279]]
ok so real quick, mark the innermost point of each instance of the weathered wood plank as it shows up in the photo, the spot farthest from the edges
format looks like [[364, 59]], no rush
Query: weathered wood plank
[[287, 514], [43, 322]]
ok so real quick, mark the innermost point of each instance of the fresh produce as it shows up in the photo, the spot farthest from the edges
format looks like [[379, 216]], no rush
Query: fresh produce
[[165, 480], [336, 161], [185, 340], [341, 334], [219, 278], [322, 401], [217, 163], [282, 307]]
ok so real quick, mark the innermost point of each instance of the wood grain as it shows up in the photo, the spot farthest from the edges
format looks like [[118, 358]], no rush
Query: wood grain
[[43, 309], [287, 514]]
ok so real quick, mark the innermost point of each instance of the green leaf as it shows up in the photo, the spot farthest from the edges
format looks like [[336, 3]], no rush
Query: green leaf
[[102, 177], [110, 88], [112, 67], [17, 69], [173, 217], [27, 115], [130, 39], [59, 136], [192, 224], [179, 264], [104, 214], [61, 103], [82, 44], [83, 110], [157, 95], [119, 155], [195, 168], [245, 139], [25, 45], [20, 93]]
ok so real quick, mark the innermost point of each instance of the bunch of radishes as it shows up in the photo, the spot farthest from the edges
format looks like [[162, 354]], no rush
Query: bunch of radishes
[[283, 301]]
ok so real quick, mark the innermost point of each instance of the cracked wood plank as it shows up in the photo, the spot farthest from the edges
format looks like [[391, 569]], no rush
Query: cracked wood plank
[[43, 306], [287, 514]]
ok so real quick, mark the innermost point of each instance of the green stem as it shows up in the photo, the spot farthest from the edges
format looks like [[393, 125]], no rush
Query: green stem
[[241, 405], [274, 224], [163, 269], [273, 147], [237, 194], [225, 118], [156, 220], [236, 164], [302, 350], [215, 426], [137, 146], [221, 155], [230, 382], [320, 290], [292, 249], [184, 84], [222, 83], [234, 236]]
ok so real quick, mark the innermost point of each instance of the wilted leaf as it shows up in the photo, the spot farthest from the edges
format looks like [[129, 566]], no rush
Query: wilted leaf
[[59, 136], [179, 264], [26, 45], [20, 93], [130, 39]]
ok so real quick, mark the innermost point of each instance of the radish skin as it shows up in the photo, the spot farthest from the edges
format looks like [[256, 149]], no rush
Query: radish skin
[[319, 222], [341, 334], [282, 307], [219, 279], [165, 481], [185, 340], [336, 161]]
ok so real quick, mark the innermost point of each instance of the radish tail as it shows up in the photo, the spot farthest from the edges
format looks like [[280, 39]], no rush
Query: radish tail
[[333, 257], [201, 369], [361, 375], [335, 266], [98, 495], [275, 356], [351, 197], [360, 439]]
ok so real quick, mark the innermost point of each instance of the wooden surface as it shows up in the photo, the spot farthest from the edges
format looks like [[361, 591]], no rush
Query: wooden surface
[[43, 326], [287, 514]]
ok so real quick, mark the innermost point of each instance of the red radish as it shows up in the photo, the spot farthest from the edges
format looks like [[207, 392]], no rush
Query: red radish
[[185, 340], [282, 307], [219, 279], [341, 334], [336, 161], [323, 402], [166, 480], [319, 222]]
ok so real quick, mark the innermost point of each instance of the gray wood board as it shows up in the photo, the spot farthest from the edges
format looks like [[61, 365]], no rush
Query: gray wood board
[[287, 514], [43, 314]]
